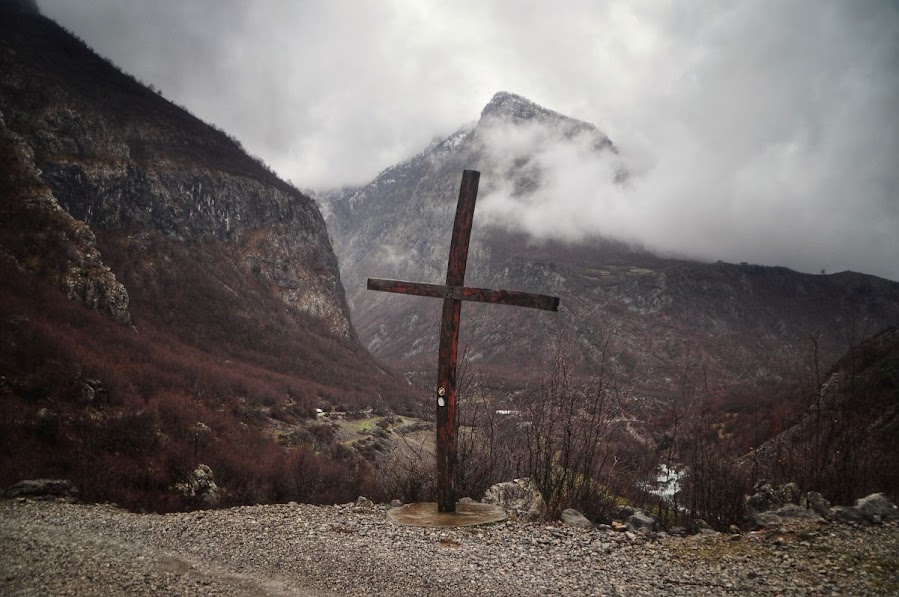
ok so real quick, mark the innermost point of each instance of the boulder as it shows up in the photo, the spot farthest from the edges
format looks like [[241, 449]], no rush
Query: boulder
[[640, 520], [573, 518], [774, 518], [200, 485], [363, 504], [877, 508], [521, 498], [42, 489], [766, 497], [796, 512], [789, 493], [874, 509], [763, 499], [815, 502], [762, 520], [769, 505], [846, 514]]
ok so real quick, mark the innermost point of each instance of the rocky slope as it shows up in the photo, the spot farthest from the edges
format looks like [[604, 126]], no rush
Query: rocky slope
[[652, 318], [349, 550]]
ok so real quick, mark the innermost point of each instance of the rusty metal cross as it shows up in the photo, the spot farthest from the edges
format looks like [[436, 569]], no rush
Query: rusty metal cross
[[453, 293]]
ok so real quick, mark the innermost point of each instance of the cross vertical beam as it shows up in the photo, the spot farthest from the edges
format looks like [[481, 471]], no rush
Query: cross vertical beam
[[453, 293], [449, 344]]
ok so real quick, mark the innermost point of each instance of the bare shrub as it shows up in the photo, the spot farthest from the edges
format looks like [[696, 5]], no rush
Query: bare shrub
[[561, 435], [714, 484]]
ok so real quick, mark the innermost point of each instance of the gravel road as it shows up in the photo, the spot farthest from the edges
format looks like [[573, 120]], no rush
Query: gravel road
[[56, 548]]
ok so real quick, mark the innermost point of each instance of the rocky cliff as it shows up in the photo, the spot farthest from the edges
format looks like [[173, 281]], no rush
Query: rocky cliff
[[652, 318], [116, 156]]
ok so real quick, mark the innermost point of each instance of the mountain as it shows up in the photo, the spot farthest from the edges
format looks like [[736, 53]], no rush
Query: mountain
[[160, 285], [651, 318]]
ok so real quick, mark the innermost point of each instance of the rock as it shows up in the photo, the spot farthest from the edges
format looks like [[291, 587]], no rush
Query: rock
[[774, 518], [766, 498], [363, 504], [815, 502], [466, 500], [200, 485], [42, 488], [789, 493], [640, 520], [521, 498], [396, 504], [572, 517], [846, 514], [768, 506], [796, 512], [677, 531], [762, 520], [734, 529], [877, 508], [874, 509], [618, 526]]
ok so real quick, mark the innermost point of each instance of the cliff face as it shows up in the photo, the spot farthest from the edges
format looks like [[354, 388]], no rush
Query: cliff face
[[132, 206], [38, 235], [649, 317], [109, 155]]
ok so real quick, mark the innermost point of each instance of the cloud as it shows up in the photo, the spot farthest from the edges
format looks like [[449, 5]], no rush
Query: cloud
[[761, 131], [767, 137]]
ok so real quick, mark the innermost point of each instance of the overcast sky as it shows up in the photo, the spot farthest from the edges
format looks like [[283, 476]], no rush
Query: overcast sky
[[763, 131]]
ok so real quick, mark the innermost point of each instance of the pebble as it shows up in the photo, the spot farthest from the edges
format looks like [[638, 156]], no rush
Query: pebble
[[294, 549]]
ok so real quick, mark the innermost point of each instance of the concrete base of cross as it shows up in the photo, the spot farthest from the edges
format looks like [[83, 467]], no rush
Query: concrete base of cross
[[425, 514]]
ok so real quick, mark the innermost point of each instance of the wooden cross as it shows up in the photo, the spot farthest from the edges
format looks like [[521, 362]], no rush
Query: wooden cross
[[453, 293]]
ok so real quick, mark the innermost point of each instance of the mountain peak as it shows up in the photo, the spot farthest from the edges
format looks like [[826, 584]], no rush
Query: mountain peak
[[510, 105]]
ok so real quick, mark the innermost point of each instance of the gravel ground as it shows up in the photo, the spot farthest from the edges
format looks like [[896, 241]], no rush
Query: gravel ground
[[55, 548]]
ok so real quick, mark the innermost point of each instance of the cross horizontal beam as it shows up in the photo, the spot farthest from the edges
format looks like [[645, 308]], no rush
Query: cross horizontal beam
[[464, 293]]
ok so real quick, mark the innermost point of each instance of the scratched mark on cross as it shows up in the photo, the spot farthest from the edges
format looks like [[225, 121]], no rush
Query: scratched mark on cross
[[453, 293]]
